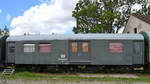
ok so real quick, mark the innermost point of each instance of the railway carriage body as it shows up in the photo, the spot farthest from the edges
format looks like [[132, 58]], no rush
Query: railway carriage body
[[77, 49]]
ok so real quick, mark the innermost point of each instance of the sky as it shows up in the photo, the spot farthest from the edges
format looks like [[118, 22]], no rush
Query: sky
[[38, 16]]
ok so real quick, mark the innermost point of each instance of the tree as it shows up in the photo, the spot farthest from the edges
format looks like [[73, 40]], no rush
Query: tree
[[145, 10], [0, 31], [105, 16], [5, 32], [86, 14]]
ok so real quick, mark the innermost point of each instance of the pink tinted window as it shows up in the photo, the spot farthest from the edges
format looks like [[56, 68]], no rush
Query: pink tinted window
[[116, 47], [45, 47]]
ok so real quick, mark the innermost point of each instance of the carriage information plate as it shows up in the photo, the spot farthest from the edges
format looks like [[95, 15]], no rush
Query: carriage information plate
[[115, 47]]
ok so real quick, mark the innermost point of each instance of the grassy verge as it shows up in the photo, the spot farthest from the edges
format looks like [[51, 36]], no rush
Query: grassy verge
[[65, 76]]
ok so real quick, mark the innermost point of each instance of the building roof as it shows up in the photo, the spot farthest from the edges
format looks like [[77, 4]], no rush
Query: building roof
[[145, 18], [77, 37]]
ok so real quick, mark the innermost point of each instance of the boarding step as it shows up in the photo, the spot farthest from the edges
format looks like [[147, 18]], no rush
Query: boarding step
[[8, 71]]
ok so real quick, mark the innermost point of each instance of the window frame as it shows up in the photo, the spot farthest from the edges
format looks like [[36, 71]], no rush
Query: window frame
[[75, 48], [45, 43], [11, 46], [86, 46], [27, 46]]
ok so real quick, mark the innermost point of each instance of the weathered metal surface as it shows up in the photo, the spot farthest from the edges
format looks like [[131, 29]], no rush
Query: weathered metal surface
[[130, 51]]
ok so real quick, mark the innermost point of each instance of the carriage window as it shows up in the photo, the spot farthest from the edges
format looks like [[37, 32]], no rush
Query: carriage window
[[84, 47], [74, 47], [11, 47], [29, 47], [45, 47]]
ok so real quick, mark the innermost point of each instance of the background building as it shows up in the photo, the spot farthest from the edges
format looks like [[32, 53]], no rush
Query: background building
[[137, 23]]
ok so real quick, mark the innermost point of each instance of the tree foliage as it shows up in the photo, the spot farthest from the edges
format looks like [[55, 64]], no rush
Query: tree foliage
[[105, 16], [5, 31]]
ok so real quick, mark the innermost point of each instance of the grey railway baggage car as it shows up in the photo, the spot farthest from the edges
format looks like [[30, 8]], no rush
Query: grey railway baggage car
[[76, 49]]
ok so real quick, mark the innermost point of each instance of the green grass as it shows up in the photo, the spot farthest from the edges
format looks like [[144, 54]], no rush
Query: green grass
[[65, 76]]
